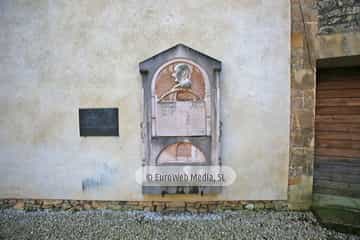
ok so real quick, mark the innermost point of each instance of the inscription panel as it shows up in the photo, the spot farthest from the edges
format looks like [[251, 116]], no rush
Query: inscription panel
[[99, 122], [180, 119]]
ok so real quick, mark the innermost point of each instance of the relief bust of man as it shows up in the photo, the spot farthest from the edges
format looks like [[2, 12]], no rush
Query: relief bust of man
[[182, 77]]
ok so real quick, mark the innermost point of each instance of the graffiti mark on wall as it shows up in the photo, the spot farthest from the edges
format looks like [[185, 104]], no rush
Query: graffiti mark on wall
[[103, 177]]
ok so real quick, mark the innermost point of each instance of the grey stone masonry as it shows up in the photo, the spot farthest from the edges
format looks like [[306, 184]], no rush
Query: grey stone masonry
[[338, 16]]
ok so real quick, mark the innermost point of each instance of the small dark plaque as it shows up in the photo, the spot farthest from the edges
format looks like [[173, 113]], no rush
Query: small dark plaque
[[99, 122]]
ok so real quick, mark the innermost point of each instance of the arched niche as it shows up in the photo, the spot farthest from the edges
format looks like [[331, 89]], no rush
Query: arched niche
[[177, 110], [181, 153]]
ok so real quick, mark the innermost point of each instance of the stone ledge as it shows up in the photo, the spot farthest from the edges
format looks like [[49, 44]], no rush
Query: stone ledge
[[157, 206]]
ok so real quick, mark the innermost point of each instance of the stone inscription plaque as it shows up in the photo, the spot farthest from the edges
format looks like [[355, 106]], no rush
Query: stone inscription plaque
[[180, 119], [99, 122]]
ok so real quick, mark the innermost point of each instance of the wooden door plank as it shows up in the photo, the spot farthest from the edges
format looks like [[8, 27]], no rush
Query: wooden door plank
[[337, 135], [338, 119], [338, 93], [339, 102], [352, 153], [340, 144], [338, 110], [337, 127]]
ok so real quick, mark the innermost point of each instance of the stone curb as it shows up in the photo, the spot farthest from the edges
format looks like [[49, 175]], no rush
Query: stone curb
[[153, 206]]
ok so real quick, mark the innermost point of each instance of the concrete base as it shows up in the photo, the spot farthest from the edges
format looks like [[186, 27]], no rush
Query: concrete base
[[337, 212], [340, 219]]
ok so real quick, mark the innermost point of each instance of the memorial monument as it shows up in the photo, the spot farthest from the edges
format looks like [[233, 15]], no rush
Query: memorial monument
[[181, 124]]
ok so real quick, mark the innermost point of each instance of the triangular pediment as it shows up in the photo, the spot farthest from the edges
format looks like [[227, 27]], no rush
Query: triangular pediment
[[178, 51]]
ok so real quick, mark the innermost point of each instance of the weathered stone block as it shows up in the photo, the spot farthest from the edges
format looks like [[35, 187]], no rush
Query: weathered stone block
[[175, 204], [160, 208], [132, 203], [192, 209], [297, 103], [212, 208], [304, 79], [19, 205], [149, 208], [46, 203], [294, 180], [87, 206], [304, 119], [297, 59], [174, 209], [74, 203], [159, 204], [269, 205], [297, 39], [250, 206], [203, 210], [302, 138], [66, 205], [146, 204], [97, 205], [230, 203], [259, 205], [190, 204], [297, 156], [280, 205]]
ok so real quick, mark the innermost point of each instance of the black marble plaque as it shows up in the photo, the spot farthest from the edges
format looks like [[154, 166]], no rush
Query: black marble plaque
[[99, 122]]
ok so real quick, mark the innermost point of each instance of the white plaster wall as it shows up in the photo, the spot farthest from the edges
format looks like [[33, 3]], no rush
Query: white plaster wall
[[58, 56]]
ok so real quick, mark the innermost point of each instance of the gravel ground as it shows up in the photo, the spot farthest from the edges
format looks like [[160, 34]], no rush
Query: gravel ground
[[145, 225]]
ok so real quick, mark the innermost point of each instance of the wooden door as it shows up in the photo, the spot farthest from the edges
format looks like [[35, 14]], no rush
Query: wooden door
[[337, 133]]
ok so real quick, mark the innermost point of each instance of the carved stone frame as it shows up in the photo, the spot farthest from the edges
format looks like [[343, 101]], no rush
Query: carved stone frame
[[210, 144]]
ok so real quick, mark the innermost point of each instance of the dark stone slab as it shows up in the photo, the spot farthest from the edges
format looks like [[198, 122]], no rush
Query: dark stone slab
[[99, 122]]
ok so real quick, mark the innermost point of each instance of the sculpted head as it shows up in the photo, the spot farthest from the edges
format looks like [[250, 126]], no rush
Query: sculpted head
[[182, 71]]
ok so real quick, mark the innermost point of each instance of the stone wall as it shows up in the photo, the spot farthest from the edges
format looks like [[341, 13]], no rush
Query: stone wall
[[302, 107], [308, 46], [339, 15], [158, 206]]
